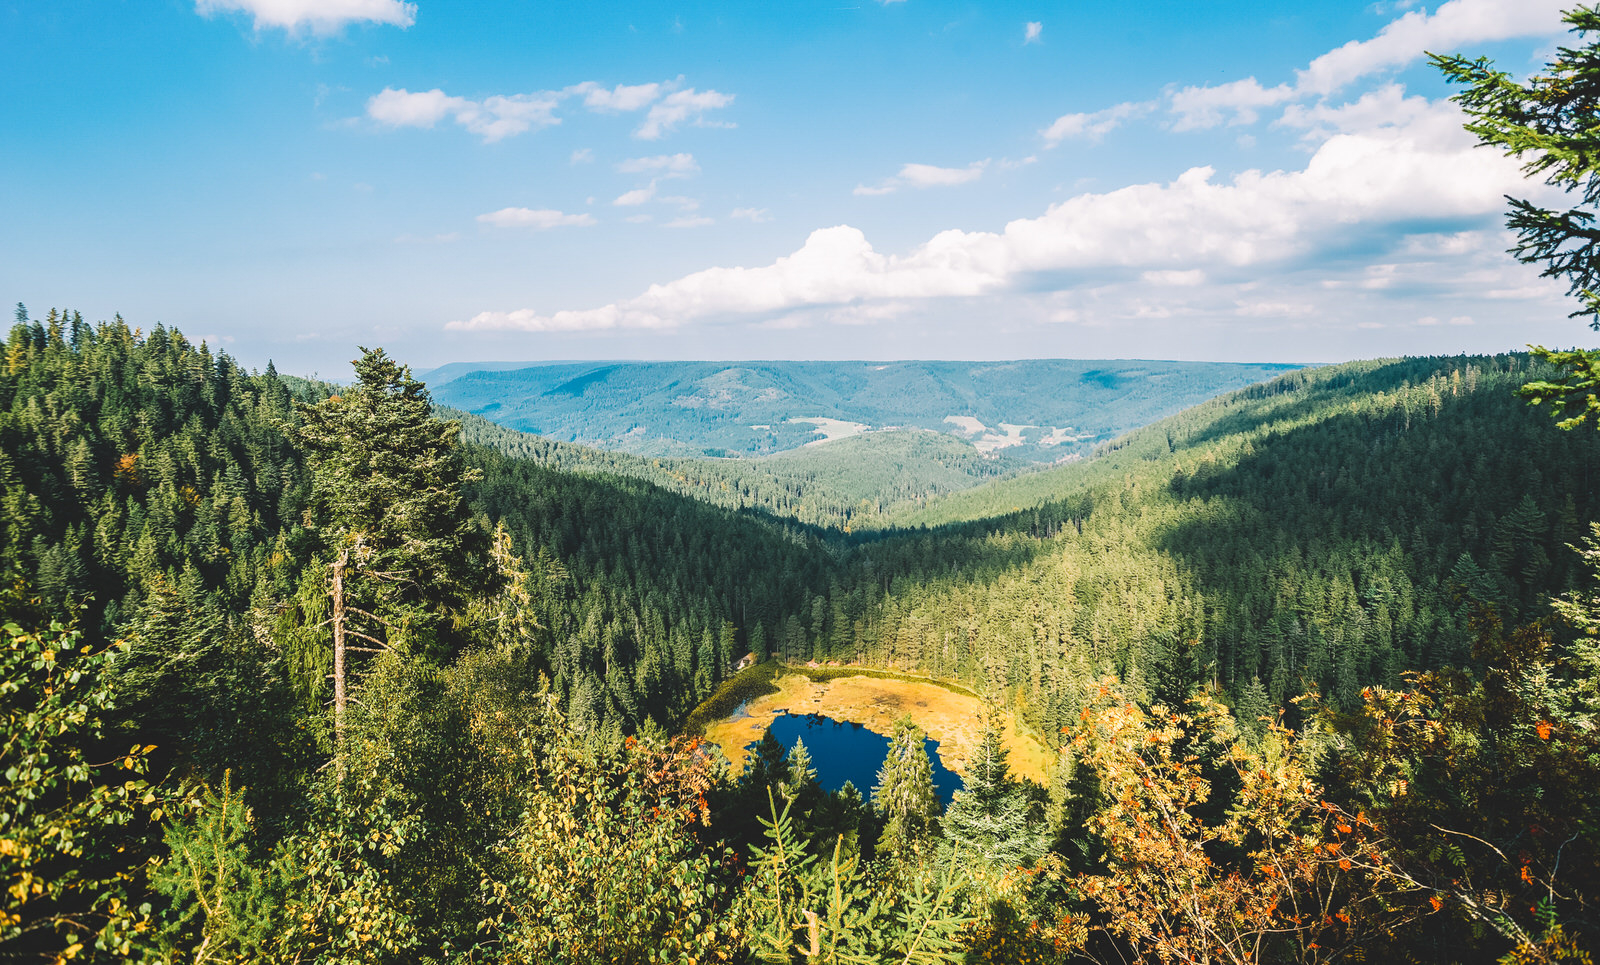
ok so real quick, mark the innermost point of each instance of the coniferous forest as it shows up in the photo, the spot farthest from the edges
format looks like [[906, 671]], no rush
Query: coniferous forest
[[304, 671]]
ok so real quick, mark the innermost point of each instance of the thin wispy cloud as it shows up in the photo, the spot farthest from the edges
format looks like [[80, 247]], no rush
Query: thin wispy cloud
[[504, 115], [682, 106], [1031, 32], [492, 118], [663, 165], [539, 218], [925, 176], [1096, 125], [320, 16], [636, 197]]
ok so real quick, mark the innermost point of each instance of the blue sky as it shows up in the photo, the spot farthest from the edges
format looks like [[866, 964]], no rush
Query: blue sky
[[289, 179]]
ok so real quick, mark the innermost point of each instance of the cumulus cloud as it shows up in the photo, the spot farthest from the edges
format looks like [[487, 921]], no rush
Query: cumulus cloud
[[492, 118], [1358, 188], [925, 176], [321, 16], [540, 218], [681, 106], [1095, 125], [664, 165], [1031, 32]]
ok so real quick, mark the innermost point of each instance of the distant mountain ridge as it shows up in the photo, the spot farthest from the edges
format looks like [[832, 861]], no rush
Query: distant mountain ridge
[[1036, 410]]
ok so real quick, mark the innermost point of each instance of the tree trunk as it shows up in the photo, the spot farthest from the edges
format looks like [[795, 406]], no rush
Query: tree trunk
[[339, 697]]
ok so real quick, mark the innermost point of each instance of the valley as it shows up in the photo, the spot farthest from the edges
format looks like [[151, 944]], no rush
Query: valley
[[547, 637]]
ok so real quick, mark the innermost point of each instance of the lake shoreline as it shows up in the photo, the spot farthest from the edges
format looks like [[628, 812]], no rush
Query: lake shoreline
[[950, 716]]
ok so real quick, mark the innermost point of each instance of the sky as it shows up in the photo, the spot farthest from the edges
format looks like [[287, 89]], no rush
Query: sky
[[291, 179]]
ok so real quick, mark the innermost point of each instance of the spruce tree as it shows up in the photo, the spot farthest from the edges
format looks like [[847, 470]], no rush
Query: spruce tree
[[991, 815], [400, 549], [904, 795]]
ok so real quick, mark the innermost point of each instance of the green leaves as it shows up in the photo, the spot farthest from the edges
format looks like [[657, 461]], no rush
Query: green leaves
[[65, 860]]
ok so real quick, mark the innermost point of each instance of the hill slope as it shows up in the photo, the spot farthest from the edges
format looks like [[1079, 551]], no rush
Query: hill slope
[[1325, 529], [1038, 410]]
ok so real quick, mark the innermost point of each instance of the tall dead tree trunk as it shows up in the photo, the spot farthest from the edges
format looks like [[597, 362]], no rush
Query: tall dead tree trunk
[[339, 695]]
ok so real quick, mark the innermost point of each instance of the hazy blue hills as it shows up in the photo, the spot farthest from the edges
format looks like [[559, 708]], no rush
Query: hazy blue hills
[[1041, 410]]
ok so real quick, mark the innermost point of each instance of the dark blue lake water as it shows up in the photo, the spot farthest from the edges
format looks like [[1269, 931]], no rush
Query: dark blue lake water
[[849, 752]]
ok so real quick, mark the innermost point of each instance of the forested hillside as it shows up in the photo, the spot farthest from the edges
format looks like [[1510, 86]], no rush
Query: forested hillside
[[1038, 410], [142, 471], [847, 484], [393, 695], [1326, 529]]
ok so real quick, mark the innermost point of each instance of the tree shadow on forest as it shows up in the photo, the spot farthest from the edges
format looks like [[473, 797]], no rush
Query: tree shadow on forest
[[1330, 496]]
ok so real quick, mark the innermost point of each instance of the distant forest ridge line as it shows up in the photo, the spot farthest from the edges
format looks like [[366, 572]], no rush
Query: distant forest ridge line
[[1021, 412]]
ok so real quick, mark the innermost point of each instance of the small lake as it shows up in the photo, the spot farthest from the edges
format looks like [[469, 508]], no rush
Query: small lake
[[849, 752]]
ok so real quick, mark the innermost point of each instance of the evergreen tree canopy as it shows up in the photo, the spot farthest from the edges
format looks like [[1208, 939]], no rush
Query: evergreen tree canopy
[[991, 816], [905, 796], [1549, 122], [386, 481]]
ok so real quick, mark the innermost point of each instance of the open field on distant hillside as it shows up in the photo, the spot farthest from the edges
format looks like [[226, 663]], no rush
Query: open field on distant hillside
[[951, 717]]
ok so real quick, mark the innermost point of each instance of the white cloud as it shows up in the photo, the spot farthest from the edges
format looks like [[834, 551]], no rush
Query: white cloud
[[492, 118], [689, 221], [618, 99], [1245, 309], [665, 165], [926, 176], [322, 16], [1186, 279], [929, 176], [540, 218], [1453, 25], [1365, 187], [1093, 126], [503, 115], [686, 204], [1031, 32], [756, 215], [1387, 106], [1238, 102], [582, 155], [678, 107], [636, 197]]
